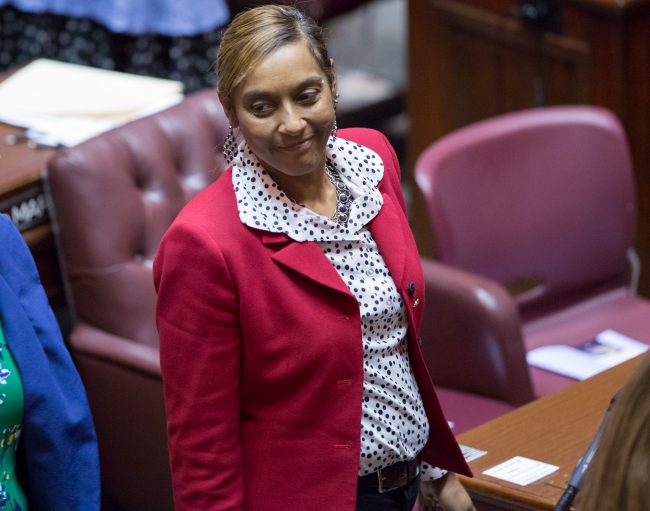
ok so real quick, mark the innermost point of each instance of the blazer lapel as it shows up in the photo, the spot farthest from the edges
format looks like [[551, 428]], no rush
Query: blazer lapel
[[308, 259], [388, 232], [305, 258]]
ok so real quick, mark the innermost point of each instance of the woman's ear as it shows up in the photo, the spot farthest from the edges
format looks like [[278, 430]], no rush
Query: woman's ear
[[229, 111], [333, 85]]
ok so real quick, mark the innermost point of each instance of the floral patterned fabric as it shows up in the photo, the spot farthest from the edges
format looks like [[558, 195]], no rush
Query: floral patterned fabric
[[12, 402]]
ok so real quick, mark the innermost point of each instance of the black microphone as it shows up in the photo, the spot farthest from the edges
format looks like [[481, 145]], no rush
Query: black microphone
[[564, 504]]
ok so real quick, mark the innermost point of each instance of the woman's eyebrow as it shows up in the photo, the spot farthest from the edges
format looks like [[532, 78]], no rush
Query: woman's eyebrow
[[312, 80], [256, 93]]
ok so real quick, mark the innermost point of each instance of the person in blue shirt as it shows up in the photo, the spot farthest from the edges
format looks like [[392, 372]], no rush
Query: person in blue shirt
[[48, 448]]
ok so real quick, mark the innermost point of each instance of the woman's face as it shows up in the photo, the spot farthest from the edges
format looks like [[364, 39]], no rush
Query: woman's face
[[284, 108]]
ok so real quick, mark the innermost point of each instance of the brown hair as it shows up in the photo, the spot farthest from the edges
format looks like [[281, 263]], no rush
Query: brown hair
[[256, 33], [619, 475]]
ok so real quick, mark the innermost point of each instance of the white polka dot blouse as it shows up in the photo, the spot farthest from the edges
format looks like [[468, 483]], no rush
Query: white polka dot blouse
[[394, 426]]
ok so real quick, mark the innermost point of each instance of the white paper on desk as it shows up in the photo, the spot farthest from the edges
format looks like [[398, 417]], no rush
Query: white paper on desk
[[471, 453], [607, 349], [520, 470], [69, 103]]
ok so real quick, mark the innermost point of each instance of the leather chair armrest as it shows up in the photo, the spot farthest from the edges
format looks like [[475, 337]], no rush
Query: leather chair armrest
[[472, 337], [91, 342], [124, 387]]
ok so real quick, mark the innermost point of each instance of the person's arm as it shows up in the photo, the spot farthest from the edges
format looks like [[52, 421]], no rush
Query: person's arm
[[198, 322], [445, 493]]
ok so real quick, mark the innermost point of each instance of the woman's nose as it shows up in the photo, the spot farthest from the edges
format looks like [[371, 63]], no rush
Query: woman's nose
[[292, 122]]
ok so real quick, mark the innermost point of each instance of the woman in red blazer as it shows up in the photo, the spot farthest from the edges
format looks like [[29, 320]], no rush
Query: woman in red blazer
[[290, 295]]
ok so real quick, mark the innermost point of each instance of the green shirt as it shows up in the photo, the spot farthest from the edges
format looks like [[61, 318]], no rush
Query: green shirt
[[12, 405]]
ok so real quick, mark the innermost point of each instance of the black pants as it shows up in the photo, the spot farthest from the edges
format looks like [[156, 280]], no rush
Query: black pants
[[401, 499]]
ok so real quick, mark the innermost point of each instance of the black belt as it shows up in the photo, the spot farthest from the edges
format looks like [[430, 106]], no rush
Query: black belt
[[391, 477]]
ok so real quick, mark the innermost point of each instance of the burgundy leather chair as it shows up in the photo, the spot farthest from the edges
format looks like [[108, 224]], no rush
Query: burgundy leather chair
[[472, 345], [114, 196], [543, 202]]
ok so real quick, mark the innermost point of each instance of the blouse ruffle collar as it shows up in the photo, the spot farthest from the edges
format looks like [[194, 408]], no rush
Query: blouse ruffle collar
[[263, 205]]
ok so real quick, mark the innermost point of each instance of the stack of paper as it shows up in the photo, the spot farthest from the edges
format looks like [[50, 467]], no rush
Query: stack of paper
[[607, 349], [65, 104]]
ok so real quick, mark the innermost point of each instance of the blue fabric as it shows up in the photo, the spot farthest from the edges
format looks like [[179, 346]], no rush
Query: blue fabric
[[58, 443], [165, 17]]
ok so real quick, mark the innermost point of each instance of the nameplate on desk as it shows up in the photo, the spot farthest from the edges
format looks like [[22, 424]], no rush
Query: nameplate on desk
[[26, 209]]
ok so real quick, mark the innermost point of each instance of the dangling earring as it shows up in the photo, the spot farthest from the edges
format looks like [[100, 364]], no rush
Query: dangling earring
[[334, 126], [229, 146]]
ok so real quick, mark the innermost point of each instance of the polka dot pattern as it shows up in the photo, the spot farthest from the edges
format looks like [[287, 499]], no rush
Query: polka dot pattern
[[263, 205], [394, 424]]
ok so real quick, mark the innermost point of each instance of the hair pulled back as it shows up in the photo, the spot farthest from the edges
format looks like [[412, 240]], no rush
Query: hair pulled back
[[256, 33]]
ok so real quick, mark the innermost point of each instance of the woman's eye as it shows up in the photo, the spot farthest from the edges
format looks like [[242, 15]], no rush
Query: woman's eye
[[309, 96], [261, 108]]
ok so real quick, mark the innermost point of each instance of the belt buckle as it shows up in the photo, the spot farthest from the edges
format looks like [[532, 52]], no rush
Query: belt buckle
[[401, 480]]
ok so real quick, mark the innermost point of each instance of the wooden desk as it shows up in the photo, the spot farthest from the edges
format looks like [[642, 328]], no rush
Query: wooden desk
[[23, 199], [556, 429]]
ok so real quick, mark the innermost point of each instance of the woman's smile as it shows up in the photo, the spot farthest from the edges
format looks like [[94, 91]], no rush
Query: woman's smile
[[297, 146]]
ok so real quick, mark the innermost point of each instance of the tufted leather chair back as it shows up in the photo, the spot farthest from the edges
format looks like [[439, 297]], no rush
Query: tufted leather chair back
[[113, 197]]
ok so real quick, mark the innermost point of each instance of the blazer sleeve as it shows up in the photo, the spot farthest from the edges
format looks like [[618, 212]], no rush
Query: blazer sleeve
[[392, 173], [58, 448], [197, 315]]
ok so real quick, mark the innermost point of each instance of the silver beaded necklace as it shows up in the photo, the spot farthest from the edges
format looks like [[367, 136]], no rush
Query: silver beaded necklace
[[343, 196]]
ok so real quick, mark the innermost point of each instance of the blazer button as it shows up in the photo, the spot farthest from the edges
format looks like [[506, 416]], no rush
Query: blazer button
[[411, 288]]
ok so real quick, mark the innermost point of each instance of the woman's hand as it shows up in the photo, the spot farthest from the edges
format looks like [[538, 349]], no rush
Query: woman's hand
[[446, 494]]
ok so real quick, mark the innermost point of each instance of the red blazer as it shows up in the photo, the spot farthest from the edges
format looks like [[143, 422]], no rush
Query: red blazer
[[260, 344]]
